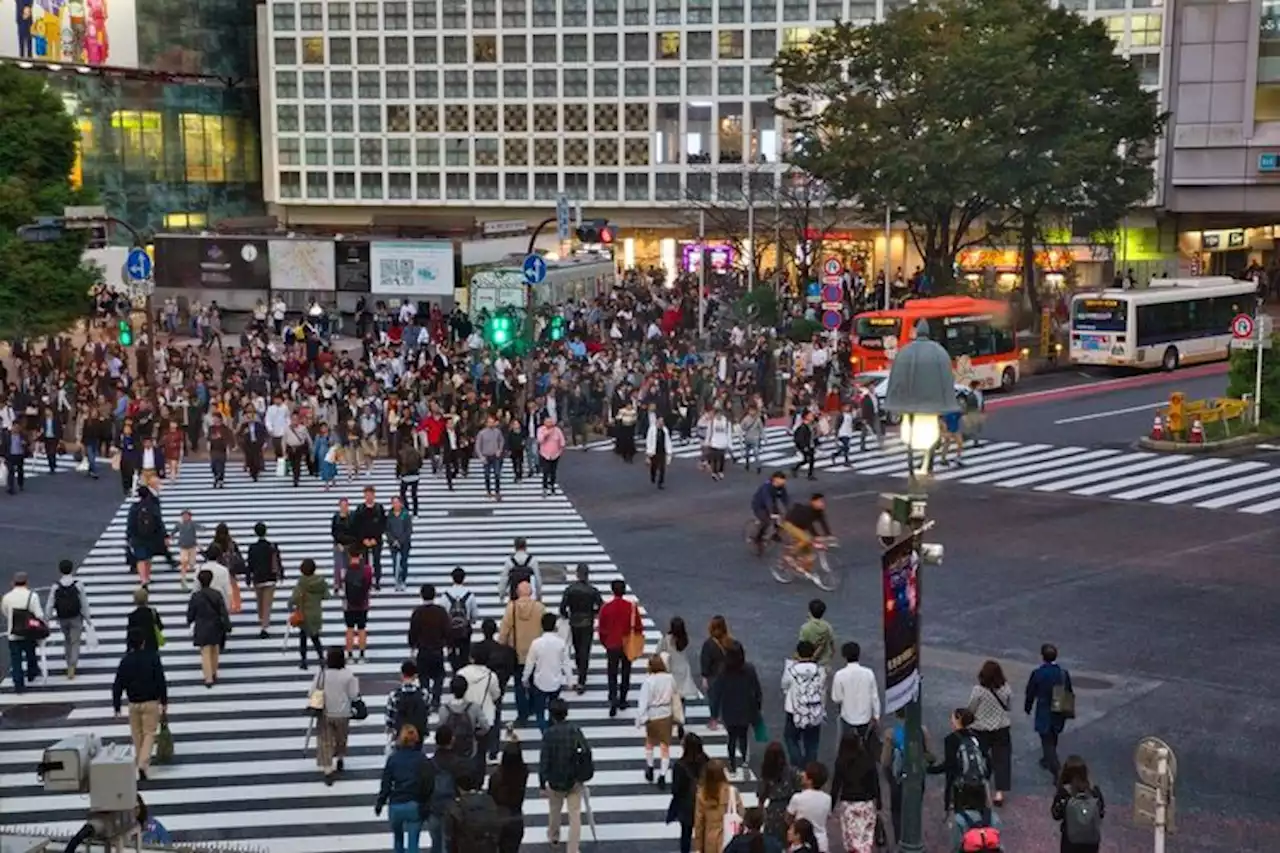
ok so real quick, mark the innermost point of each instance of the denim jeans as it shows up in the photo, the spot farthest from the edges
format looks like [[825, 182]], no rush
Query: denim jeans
[[91, 455], [406, 826], [846, 443], [400, 564], [802, 744], [531, 454], [493, 474], [435, 831], [541, 701], [522, 699], [17, 649], [750, 450]]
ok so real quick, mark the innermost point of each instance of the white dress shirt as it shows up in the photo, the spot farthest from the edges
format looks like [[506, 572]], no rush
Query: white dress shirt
[[277, 419], [855, 690], [546, 665]]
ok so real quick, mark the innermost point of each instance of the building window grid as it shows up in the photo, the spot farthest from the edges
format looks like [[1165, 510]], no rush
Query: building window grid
[[515, 14], [339, 17]]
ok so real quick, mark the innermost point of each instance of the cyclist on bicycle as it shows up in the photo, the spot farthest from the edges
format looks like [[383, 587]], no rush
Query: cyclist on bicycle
[[769, 502], [801, 525]]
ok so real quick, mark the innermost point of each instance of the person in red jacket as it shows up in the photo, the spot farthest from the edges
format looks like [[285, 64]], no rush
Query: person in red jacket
[[619, 619], [433, 426]]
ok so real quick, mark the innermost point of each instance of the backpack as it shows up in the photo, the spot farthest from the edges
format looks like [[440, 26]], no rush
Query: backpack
[[66, 601], [584, 767], [477, 823], [1082, 819], [411, 709], [459, 616], [411, 461], [806, 700], [980, 836], [973, 764], [464, 733], [898, 759], [520, 572], [148, 525], [355, 587]]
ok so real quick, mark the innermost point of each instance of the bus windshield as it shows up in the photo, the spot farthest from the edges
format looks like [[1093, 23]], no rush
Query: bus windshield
[[1099, 315], [972, 335], [871, 331]]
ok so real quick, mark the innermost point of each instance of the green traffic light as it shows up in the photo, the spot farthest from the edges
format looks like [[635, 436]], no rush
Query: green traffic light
[[126, 333]]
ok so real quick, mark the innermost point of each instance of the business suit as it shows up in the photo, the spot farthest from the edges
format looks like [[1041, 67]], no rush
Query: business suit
[[255, 437], [51, 436]]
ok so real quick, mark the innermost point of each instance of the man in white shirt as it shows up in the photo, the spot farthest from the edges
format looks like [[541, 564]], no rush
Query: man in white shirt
[[546, 669], [277, 421], [854, 689], [19, 601]]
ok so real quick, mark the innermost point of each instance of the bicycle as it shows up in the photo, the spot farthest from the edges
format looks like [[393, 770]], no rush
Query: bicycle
[[819, 573], [768, 539]]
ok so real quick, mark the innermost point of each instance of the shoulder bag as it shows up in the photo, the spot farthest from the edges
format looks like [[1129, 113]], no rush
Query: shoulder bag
[[1062, 701], [315, 700], [633, 642]]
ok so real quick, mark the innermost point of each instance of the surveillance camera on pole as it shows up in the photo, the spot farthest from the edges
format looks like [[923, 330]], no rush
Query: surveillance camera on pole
[[108, 774]]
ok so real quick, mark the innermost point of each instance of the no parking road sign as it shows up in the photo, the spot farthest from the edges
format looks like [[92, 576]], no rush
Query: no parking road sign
[[1242, 327]]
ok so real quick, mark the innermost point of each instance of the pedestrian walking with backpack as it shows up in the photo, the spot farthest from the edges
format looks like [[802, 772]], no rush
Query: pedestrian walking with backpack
[[69, 604], [975, 828], [580, 605], [804, 688], [521, 566], [145, 534], [893, 760], [463, 613], [565, 765], [409, 472], [964, 763], [469, 725], [357, 590], [407, 705], [474, 823], [484, 687], [1050, 696], [1079, 808], [428, 636]]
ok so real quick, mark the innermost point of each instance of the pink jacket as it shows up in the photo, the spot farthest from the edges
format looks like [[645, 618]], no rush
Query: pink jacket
[[550, 442]]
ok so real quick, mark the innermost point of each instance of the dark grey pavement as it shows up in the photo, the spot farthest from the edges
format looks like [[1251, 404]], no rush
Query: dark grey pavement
[[57, 517], [1164, 615]]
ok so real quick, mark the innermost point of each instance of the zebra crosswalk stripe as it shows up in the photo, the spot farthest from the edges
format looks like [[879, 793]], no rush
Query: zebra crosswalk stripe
[[239, 770]]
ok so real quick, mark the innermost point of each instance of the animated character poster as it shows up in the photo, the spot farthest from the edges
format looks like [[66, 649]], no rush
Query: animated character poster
[[75, 32]]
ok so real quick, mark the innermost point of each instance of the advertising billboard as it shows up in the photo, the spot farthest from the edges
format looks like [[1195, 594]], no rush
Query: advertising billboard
[[213, 263], [408, 268], [302, 265], [75, 32], [351, 260]]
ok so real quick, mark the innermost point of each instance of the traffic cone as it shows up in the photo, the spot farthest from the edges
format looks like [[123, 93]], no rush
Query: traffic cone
[[1157, 429], [1197, 432]]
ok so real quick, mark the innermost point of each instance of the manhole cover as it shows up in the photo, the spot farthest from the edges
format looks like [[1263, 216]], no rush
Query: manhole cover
[[34, 716], [470, 513], [1087, 683]]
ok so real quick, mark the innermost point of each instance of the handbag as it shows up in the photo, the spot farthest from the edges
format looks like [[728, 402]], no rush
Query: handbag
[[164, 742], [732, 820], [633, 642], [155, 626], [236, 602], [115, 461], [315, 699], [280, 467], [677, 708], [295, 619], [27, 625], [761, 731], [359, 710]]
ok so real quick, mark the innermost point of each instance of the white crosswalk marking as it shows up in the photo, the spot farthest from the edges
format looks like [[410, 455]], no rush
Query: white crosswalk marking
[[239, 771], [1127, 475]]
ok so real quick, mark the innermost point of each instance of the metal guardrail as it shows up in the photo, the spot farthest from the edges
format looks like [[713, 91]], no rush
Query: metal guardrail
[[55, 842]]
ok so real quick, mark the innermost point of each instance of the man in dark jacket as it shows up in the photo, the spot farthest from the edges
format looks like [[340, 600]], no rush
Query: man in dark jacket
[[371, 528], [254, 437], [343, 530], [806, 444], [1040, 688], [580, 604], [220, 441], [145, 534], [140, 677], [428, 636], [265, 570]]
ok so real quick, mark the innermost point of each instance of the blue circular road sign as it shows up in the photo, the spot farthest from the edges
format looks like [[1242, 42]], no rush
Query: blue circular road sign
[[535, 269], [831, 320], [138, 265]]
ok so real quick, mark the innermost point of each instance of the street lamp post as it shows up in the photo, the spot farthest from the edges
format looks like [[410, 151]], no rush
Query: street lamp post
[[920, 389]]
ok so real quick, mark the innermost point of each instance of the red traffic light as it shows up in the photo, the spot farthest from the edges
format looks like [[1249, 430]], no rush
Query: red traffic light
[[606, 235]]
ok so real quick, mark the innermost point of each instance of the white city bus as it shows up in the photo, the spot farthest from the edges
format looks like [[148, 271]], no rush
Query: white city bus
[[1174, 321]]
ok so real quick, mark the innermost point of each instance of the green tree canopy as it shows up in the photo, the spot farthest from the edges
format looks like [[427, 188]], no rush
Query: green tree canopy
[[964, 115], [43, 287]]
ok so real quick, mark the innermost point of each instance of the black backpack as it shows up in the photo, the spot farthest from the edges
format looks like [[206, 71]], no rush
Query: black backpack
[[477, 823], [520, 572], [355, 587], [148, 523], [411, 709], [459, 617], [464, 733], [66, 601]]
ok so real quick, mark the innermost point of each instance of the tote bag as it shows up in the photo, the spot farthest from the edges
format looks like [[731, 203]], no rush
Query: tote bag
[[633, 642], [315, 699], [732, 820]]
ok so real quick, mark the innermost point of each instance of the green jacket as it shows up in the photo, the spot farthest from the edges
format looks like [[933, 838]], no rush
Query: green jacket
[[308, 596], [820, 633]]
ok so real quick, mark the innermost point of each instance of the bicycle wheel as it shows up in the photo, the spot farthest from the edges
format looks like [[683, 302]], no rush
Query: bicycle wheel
[[750, 529], [822, 575], [782, 570]]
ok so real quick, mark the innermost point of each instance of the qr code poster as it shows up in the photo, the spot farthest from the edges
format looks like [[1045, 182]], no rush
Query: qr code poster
[[412, 269]]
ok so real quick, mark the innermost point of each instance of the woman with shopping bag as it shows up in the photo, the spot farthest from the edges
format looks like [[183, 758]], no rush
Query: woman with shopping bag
[[717, 810], [306, 605]]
